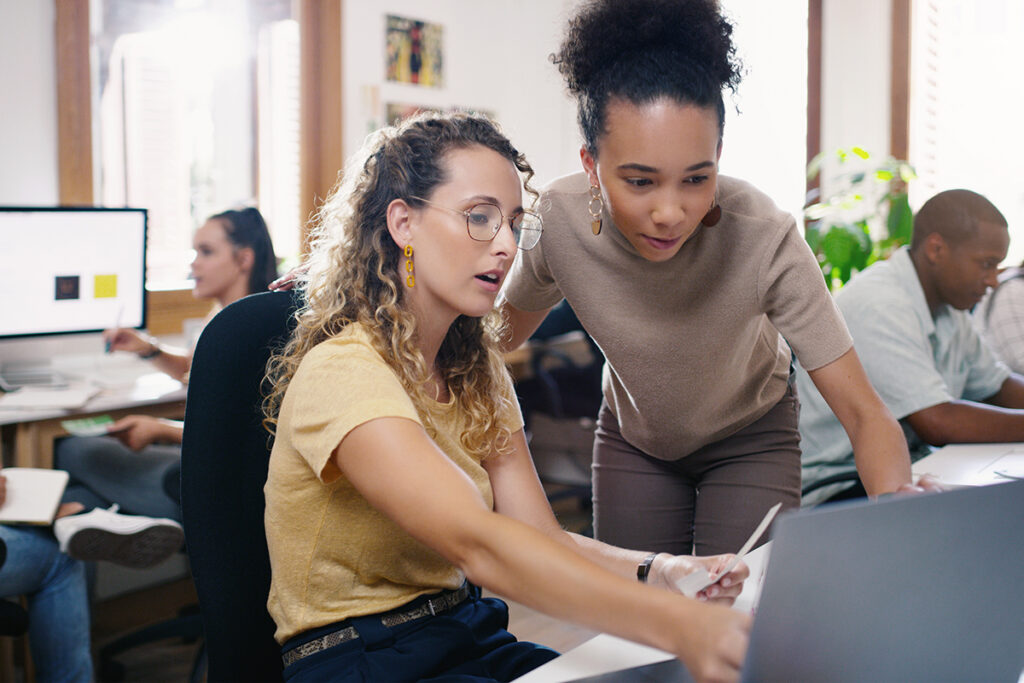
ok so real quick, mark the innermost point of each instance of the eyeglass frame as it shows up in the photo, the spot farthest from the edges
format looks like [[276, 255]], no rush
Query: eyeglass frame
[[495, 230]]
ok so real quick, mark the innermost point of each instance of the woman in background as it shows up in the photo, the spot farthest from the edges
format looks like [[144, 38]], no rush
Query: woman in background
[[400, 469], [137, 466]]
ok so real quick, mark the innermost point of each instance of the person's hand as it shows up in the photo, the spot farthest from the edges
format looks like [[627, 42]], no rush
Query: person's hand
[[926, 483], [3, 490], [138, 431], [667, 570], [713, 644], [287, 281], [126, 339]]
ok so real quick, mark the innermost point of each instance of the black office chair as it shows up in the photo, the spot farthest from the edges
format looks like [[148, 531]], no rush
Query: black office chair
[[225, 452]]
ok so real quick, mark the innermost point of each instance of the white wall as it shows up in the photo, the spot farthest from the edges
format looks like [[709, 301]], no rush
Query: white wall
[[495, 59], [28, 100], [856, 74]]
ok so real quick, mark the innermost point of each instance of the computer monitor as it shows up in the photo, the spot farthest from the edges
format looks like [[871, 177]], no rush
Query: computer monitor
[[71, 270]]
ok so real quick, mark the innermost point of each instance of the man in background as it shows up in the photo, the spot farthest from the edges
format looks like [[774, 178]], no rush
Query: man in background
[[909, 318]]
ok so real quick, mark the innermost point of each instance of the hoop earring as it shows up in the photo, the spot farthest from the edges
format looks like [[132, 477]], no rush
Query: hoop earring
[[410, 279], [713, 215], [596, 208]]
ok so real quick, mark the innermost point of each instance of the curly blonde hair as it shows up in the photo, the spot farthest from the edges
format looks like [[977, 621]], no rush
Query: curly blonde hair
[[354, 277]]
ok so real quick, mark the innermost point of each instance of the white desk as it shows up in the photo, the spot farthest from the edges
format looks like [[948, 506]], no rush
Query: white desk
[[124, 385], [973, 464], [604, 653]]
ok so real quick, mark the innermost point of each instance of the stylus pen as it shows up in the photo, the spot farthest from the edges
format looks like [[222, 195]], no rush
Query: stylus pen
[[117, 326]]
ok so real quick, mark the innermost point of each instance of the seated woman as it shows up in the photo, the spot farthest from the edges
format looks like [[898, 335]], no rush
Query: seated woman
[[137, 466], [400, 470]]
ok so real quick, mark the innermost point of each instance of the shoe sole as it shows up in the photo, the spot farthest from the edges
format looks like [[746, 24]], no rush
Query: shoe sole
[[138, 550]]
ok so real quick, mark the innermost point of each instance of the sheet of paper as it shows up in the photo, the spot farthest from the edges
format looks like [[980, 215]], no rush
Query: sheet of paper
[[694, 583], [40, 398], [33, 494]]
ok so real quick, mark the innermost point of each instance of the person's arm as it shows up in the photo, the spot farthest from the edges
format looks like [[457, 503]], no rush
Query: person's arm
[[879, 447], [519, 494], [999, 418], [521, 325], [170, 361], [138, 431], [400, 471]]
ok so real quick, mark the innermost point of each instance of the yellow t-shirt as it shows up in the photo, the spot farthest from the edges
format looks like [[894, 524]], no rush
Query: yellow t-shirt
[[333, 555]]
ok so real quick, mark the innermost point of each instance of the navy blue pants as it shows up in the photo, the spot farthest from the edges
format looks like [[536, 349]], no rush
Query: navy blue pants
[[467, 643]]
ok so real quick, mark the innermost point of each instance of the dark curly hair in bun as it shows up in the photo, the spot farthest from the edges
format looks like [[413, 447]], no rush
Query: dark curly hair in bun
[[643, 50]]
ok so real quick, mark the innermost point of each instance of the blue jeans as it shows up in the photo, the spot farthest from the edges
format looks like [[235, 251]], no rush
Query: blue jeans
[[104, 471], [58, 603], [467, 644]]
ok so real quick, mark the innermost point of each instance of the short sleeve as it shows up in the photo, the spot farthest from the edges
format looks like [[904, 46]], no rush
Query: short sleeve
[[1002, 317], [794, 297], [340, 385], [530, 285], [897, 355], [987, 372]]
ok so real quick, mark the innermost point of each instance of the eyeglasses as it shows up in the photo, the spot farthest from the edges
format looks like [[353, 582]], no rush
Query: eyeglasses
[[483, 221]]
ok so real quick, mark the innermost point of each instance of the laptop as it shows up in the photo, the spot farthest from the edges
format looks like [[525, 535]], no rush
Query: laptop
[[916, 588]]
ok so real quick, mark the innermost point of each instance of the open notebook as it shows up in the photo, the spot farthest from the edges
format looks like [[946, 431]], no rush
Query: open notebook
[[33, 495]]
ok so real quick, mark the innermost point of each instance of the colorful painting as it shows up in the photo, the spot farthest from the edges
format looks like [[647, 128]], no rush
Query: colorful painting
[[414, 52]]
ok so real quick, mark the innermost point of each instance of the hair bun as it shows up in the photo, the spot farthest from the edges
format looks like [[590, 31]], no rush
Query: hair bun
[[604, 32]]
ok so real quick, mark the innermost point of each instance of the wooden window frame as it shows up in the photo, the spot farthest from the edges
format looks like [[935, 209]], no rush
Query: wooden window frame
[[320, 102]]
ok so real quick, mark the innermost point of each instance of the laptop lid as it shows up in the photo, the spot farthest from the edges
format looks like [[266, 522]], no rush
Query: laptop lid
[[917, 588]]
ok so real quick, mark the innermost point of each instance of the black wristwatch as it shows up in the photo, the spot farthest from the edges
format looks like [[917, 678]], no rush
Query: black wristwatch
[[644, 568]]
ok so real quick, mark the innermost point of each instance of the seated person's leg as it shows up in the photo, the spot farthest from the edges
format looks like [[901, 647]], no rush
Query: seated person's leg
[[58, 603], [103, 472]]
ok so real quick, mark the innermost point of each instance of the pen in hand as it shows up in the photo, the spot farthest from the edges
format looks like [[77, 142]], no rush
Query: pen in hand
[[108, 344]]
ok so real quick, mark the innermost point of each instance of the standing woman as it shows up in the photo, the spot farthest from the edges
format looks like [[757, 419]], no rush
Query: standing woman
[[400, 469], [692, 284]]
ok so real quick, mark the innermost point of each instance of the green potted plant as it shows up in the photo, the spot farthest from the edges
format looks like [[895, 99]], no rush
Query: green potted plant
[[861, 213]]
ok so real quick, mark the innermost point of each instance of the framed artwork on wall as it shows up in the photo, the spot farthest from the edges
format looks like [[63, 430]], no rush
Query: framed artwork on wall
[[414, 51]]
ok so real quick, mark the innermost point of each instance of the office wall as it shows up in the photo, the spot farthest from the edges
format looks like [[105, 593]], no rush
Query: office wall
[[856, 74], [496, 57], [28, 100]]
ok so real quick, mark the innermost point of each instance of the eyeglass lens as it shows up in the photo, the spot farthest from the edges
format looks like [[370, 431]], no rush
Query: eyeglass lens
[[484, 221]]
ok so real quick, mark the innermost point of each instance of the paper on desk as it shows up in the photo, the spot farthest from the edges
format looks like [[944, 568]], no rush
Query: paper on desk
[[34, 398], [694, 583]]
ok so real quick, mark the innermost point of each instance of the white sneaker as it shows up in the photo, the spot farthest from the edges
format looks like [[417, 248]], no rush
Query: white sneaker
[[129, 540]]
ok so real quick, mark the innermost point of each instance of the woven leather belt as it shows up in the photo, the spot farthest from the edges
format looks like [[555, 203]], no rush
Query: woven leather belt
[[442, 603]]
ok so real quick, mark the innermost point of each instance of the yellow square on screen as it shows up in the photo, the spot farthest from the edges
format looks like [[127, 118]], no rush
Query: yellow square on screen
[[104, 286]]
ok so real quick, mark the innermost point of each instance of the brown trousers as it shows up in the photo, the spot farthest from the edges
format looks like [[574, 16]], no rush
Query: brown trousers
[[705, 503]]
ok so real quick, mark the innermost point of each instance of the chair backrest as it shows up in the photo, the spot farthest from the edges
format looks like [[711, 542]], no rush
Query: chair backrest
[[225, 451]]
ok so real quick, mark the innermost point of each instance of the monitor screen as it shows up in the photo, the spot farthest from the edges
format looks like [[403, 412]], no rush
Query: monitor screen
[[68, 270]]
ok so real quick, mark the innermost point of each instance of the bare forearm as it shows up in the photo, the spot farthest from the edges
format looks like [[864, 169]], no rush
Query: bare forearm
[[531, 568], [968, 422], [880, 452]]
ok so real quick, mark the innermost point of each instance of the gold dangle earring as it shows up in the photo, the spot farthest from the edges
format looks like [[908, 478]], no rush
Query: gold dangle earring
[[714, 214], [410, 279], [596, 208]]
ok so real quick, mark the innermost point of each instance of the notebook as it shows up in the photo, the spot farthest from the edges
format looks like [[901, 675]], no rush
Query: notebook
[[33, 495], [917, 588]]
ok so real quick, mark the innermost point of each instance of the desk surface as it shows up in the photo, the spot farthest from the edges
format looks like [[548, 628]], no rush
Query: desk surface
[[973, 464], [122, 383], [605, 653]]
